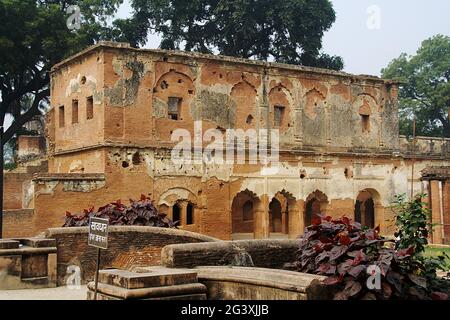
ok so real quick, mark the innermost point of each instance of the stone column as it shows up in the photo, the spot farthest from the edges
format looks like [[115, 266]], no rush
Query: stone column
[[380, 219], [436, 205], [283, 222], [262, 219], [183, 209], [296, 221]]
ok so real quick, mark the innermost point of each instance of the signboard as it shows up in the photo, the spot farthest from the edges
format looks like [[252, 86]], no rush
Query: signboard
[[98, 232]]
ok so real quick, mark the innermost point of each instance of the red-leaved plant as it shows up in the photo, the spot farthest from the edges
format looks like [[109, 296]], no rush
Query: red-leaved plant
[[343, 251], [138, 213]]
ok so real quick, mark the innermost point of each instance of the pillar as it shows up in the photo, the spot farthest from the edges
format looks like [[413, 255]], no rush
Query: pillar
[[261, 224], [436, 213]]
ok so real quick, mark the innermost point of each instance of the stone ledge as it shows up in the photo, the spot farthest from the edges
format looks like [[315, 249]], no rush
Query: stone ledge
[[146, 293], [67, 176]]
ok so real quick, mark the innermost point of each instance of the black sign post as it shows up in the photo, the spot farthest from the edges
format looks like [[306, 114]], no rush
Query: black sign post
[[98, 237]]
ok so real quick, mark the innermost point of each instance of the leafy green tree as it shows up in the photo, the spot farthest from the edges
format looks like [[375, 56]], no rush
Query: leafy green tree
[[288, 31], [425, 89]]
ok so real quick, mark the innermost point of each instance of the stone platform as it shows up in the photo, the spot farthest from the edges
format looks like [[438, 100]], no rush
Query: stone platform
[[149, 283]]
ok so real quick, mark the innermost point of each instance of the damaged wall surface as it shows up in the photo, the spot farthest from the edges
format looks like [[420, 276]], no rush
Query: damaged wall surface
[[115, 109]]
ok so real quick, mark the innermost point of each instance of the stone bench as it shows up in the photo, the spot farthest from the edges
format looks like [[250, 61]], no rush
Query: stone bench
[[148, 283], [27, 263]]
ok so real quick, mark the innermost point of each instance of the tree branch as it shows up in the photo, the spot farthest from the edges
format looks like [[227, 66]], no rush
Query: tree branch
[[27, 116]]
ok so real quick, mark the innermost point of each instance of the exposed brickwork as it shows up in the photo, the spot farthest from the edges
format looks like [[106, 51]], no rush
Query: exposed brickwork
[[128, 247], [338, 138]]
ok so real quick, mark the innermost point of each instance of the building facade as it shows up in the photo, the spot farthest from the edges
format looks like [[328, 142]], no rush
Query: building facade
[[115, 110]]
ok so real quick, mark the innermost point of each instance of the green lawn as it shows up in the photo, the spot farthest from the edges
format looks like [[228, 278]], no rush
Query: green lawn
[[434, 252]]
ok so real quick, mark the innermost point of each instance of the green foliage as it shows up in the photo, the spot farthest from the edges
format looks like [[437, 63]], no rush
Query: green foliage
[[344, 252], [425, 88], [413, 225], [412, 222], [10, 166], [290, 31], [34, 36]]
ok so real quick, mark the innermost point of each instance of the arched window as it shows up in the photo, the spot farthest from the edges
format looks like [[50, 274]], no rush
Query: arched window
[[176, 214], [247, 211], [190, 214]]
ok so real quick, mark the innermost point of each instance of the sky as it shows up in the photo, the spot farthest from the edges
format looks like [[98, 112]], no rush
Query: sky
[[368, 34]]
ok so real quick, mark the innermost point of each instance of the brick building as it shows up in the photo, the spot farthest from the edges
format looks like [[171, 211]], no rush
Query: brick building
[[115, 108]]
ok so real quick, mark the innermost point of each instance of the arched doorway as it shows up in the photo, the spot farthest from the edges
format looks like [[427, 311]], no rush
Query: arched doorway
[[365, 208], [243, 215], [176, 214], [275, 213], [316, 204], [281, 223]]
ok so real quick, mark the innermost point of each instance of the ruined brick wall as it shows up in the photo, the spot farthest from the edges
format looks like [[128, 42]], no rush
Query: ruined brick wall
[[18, 223], [75, 124], [14, 184], [29, 146], [128, 246], [338, 133]]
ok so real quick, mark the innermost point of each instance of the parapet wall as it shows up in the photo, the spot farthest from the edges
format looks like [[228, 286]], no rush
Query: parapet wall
[[128, 246], [425, 146], [259, 253]]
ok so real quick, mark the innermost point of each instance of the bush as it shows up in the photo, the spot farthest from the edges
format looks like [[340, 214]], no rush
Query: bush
[[138, 213], [345, 252]]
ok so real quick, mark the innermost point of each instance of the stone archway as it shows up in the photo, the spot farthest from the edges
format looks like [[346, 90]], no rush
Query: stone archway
[[243, 215], [275, 220], [366, 204], [283, 216], [316, 204]]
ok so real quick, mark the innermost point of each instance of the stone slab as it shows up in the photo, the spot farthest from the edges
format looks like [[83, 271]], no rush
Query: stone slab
[[147, 277], [148, 293], [9, 244]]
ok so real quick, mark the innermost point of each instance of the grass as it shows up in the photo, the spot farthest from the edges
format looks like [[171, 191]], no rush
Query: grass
[[435, 252]]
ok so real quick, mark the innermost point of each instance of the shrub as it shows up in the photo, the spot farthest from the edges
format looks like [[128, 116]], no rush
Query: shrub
[[138, 213], [344, 251]]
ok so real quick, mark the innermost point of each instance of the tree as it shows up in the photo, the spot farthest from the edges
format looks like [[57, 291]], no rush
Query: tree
[[288, 31], [35, 36], [425, 89]]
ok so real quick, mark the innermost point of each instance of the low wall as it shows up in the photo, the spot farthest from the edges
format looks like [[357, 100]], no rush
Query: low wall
[[27, 263], [268, 253], [242, 283], [129, 246]]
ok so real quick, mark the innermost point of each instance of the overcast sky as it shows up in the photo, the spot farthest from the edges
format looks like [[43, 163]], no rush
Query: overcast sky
[[370, 33]]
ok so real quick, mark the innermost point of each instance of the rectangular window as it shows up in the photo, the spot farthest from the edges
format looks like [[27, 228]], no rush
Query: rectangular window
[[74, 111], [174, 107], [278, 116], [365, 122], [61, 116], [89, 108]]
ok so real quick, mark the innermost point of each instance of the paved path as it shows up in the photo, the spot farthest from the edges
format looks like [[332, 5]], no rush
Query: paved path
[[59, 293]]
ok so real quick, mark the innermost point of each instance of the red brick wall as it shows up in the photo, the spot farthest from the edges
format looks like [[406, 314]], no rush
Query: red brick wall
[[17, 223], [12, 184], [128, 246]]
